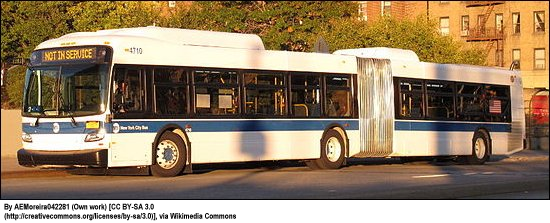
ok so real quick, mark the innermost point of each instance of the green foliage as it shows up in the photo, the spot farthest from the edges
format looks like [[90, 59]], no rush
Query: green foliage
[[345, 33], [98, 15], [25, 24], [13, 87], [422, 37], [282, 25]]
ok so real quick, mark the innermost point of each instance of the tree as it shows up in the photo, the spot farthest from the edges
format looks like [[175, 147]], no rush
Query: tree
[[422, 37], [99, 15], [25, 24], [282, 25], [13, 88]]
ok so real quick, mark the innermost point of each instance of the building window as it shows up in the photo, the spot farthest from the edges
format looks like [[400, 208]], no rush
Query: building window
[[516, 56], [363, 10], [539, 21], [515, 23], [386, 7], [540, 59], [464, 29], [481, 21], [444, 26], [499, 21]]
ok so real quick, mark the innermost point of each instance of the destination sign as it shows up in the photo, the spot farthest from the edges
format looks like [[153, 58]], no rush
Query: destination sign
[[88, 53]]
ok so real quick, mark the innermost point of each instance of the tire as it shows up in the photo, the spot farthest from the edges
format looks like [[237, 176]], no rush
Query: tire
[[480, 149], [333, 151], [169, 156]]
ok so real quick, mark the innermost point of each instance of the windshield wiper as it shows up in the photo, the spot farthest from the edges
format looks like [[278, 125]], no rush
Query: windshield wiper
[[68, 111], [72, 118], [38, 118], [62, 101]]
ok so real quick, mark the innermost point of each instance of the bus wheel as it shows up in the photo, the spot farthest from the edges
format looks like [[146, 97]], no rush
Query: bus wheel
[[332, 151], [169, 156], [480, 149]]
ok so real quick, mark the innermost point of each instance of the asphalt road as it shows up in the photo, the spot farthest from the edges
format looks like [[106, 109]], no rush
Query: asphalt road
[[501, 178]]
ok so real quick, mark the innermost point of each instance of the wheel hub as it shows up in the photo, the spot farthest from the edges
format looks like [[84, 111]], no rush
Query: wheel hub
[[333, 149], [167, 154], [479, 148]]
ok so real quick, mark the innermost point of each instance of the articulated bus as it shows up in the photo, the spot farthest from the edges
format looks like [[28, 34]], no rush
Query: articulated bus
[[162, 99]]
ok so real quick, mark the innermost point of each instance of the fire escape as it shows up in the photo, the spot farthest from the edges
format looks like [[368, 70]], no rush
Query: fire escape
[[491, 35]]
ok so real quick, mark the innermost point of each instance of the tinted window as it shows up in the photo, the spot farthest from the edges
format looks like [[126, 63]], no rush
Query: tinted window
[[306, 95], [338, 96], [411, 99], [216, 92], [265, 94], [440, 100], [170, 91]]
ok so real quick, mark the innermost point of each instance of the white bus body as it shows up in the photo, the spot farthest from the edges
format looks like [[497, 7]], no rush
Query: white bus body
[[123, 142]]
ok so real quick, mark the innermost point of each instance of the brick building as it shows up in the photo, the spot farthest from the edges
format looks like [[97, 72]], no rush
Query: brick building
[[507, 30]]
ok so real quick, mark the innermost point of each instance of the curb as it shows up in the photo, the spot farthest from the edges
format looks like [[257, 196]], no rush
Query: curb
[[456, 191], [33, 173]]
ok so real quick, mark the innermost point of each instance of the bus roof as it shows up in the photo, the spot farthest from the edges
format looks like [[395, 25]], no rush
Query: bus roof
[[196, 48], [173, 36], [381, 53]]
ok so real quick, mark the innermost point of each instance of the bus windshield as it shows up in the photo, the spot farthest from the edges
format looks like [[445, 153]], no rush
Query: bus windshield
[[65, 90]]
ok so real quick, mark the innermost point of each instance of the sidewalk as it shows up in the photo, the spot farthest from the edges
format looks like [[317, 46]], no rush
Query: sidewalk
[[11, 166], [524, 155]]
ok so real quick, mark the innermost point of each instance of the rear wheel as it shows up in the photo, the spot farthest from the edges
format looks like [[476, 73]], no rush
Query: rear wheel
[[332, 151], [170, 156], [480, 149]]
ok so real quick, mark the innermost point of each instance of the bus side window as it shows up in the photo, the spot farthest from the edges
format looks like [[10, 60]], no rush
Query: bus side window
[[216, 92], [265, 94], [338, 96], [440, 100], [411, 99], [305, 95], [120, 91], [469, 102], [170, 91], [128, 91]]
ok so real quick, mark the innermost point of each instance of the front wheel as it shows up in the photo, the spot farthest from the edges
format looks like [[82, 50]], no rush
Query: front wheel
[[170, 156], [333, 151]]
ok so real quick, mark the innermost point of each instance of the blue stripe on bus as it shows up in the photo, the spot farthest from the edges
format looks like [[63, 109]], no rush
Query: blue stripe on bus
[[235, 125], [47, 128], [262, 125], [451, 126], [201, 126]]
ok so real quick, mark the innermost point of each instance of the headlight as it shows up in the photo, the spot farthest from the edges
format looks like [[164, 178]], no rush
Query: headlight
[[26, 137], [95, 136]]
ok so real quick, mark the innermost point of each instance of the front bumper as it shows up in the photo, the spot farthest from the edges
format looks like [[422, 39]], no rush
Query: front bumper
[[95, 157]]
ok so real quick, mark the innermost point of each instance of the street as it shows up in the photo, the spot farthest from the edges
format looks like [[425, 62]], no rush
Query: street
[[520, 176]]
